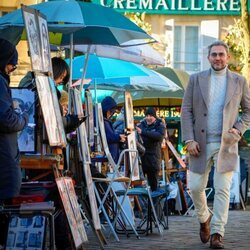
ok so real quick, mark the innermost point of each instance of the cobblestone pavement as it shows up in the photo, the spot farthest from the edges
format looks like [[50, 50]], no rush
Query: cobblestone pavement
[[183, 233]]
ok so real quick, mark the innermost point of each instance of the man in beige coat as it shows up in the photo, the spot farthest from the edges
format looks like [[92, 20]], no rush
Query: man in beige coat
[[211, 128]]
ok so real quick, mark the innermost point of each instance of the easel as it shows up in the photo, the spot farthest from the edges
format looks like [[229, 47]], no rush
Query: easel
[[51, 163], [170, 146], [84, 156]]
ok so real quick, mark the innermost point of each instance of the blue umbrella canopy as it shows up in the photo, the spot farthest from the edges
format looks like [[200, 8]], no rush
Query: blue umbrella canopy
[[90, 23], [100, 93], [107, 73]]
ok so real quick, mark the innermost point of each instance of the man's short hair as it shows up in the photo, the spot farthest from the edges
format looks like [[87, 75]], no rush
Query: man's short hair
[[218, 43]]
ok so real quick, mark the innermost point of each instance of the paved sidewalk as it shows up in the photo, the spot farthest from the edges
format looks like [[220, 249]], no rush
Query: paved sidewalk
[[183, 233]]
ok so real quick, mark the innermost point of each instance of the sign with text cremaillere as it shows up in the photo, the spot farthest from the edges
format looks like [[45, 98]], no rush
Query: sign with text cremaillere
[[176, 7]]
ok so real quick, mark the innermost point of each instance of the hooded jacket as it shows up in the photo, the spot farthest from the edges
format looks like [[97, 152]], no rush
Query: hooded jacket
[[113, 138], [10, 124]]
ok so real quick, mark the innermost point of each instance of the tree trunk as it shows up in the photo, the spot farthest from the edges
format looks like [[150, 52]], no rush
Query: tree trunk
[[246, 36]]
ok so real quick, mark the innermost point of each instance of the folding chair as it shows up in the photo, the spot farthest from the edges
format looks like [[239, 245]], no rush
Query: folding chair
[[154, 213], [114, 177]]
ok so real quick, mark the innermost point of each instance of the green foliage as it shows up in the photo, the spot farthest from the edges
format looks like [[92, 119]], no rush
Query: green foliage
[[139, 19], [236, 45]]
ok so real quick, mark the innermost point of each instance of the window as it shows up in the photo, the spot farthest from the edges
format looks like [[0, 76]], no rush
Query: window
[[186, 48]]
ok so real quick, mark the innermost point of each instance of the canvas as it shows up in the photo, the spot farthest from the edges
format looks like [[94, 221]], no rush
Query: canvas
[[38, 40], [26, 232], [45, 45], [133, 157], [85, 157], [72, 210], [81, 130], [129, 113], [25, 100], [90, 118], [51, 111], [32, 30]]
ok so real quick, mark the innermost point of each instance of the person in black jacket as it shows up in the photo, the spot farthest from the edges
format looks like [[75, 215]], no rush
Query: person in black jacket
[[152, 131], [10, 123]]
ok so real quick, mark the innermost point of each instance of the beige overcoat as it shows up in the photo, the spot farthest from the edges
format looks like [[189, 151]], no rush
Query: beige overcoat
[[194, 118]]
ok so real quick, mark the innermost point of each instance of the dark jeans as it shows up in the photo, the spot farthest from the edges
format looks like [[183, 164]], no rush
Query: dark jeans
[[150, 167]]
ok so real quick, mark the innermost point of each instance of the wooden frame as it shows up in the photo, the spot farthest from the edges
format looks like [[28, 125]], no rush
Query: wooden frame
[[51, 111], [45, 45], [72, 210], [90, 118], [25, 100], [129, 113], [32, 31], [26, 232], [38, 40], [133, 157], [85, 156], [81, 130]]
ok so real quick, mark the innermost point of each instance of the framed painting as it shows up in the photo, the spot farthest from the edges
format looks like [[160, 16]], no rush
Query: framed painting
[[90, 118], [129, 113], [51, 111], [81, 130], [26, 232], [85, 155], [72, 211], [33, 37], [45, 45], [133, 157], [25, 100]]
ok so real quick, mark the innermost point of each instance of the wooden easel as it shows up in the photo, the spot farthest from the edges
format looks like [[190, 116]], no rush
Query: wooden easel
[[51, 163], [170, 146]]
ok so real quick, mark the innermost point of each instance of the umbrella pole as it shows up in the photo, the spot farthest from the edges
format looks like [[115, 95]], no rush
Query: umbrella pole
[[85, 67]]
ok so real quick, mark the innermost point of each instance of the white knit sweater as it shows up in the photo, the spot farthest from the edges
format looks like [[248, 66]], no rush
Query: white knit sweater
[[216, 100]]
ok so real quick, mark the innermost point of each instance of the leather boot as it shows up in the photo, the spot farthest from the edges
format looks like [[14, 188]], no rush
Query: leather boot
[[205, 230], [216, 241]]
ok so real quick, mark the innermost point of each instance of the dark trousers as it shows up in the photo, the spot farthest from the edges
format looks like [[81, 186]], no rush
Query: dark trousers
[[150, 167], [152, 177]]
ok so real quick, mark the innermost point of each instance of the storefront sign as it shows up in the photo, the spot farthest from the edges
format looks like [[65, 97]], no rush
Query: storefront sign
[[176, 7], [169, 113]]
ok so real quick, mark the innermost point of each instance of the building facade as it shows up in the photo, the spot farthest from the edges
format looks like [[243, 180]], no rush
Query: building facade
[[184, 28]]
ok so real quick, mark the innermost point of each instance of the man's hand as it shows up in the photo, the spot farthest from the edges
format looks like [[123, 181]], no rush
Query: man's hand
[[193, 148], [138, 130], [123, 138], [234, 131]]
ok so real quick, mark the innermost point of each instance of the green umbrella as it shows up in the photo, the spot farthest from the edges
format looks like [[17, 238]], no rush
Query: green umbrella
[[180, 77], [160, 98], [90, 23]]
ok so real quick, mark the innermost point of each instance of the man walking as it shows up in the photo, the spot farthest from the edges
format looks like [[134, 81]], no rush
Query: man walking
[[211, 129]]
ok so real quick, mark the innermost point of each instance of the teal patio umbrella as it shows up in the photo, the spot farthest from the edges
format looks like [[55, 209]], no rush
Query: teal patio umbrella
[[114, 74], [90, 23]]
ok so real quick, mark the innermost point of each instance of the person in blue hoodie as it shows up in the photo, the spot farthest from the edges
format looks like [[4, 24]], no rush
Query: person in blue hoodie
[[108, 108]]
